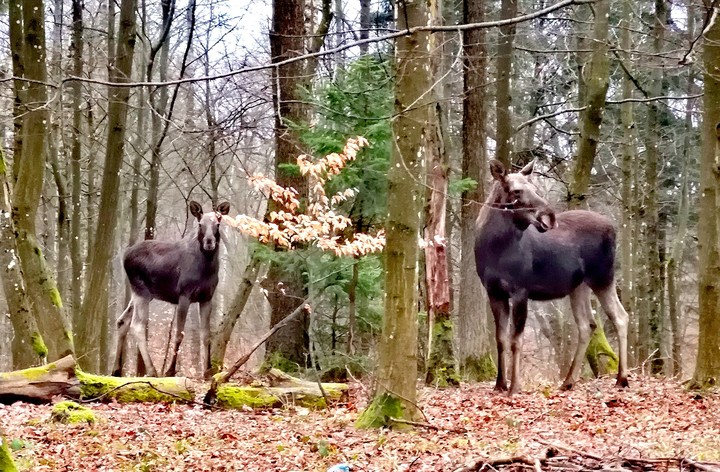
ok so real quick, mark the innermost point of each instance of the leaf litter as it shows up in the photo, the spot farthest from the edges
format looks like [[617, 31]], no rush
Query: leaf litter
[[654, 425]]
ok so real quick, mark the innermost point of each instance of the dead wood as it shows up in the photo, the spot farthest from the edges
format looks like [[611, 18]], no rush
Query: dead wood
[[40, 384]]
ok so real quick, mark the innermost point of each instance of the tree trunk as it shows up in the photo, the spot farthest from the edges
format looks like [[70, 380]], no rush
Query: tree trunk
[[707, 368], [503, 100], [654, 287], [39, 282], [474, 348], [158, 102], [596, 82], [628, 244], [17, 41], [285, 288], [364, 24], [397, 362], [26, 336], [95, 307], [440, 369], [221, 338]]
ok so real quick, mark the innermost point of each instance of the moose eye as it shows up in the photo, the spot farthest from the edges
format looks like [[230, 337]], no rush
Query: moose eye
[[517, 192]]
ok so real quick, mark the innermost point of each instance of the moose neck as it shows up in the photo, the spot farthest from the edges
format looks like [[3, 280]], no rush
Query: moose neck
[[495, 222]]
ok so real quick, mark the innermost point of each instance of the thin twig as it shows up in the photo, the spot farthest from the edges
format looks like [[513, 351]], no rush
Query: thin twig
[[421, 424]]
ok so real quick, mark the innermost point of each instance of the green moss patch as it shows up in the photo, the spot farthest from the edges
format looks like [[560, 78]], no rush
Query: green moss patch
[[236, 397], [38, 345], [379, 412], [130, 389], [441, 370], [33, 373], [71, 413], [479, 369], [6, 460]]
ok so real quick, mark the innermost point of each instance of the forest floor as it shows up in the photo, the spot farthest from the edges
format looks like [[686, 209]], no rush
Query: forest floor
[[654, 425]]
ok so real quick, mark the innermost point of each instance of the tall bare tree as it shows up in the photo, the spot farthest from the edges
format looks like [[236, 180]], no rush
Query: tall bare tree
[[395, 390], [40, 284], [707, 368], [473, 336], [95, 306], [503, 99]]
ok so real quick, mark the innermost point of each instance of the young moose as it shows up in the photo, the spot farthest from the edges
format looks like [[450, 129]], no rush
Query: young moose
[[523, 250], [180, 272]]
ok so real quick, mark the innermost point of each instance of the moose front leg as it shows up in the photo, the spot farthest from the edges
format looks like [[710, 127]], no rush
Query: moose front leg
[[181, 315], [501, 312], [205, 313]]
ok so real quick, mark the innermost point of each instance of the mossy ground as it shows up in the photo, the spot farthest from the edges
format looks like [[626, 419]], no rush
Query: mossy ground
[[68, 412], [130, 389]]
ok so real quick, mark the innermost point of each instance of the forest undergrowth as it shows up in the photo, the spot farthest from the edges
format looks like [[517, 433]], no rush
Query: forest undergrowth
[[654, 425]]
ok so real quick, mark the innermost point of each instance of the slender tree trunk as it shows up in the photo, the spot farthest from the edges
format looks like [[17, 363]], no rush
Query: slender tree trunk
[[396, 391], [441, 370], [654, 289], [364, 24], [596, 79], [627, 233], [158, 102], [707, 368], [95, 307], [503, 100], [221, 337], [26, 336], [474, 345], [39, 281], [17, 42]]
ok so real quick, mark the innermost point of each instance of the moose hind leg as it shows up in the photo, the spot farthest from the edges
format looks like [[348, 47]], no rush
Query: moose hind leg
[[181, 314], [139, 331], [123, 327], [582, 312], [613, 308], [519, 317]]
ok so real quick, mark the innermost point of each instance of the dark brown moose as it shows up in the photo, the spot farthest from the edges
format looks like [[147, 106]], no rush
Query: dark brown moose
[[178, 272], [523, 250]]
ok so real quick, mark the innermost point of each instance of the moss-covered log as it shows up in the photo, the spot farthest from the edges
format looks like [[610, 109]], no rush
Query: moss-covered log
[[40, 384], [283, 390], [62, 378]]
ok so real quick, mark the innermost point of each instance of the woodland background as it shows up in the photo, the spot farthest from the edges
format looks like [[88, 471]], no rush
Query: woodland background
[[606, 96]]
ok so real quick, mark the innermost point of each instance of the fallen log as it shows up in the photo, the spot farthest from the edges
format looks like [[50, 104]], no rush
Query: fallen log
[[40, 384], [62, 378]]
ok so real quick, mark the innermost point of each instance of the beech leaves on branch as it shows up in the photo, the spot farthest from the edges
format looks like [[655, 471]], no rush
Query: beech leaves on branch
[[320, 224]]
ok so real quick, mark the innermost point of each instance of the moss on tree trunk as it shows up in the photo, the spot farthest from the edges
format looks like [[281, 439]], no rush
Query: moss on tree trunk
[[441, 369], [601, 358], [380, 412], [479, 369]]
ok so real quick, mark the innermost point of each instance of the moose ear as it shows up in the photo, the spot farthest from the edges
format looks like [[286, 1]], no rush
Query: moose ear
[[497, 170], [223, 208], [196, 209], [528, 169]]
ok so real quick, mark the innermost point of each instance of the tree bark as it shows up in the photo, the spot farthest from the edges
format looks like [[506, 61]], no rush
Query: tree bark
[[654, 227], [284, 287], [95, 307], [628, 243], [39, 281], [441, 369], [707, 368], [397, 362], [503, 100], [473, 328]]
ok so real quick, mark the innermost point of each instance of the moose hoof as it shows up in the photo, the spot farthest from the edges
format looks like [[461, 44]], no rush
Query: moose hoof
[[566, 386], [117, 373], [622, 382]]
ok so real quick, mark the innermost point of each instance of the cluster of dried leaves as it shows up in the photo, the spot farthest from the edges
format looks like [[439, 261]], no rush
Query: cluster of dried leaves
[[655, 425], [320, 224]]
